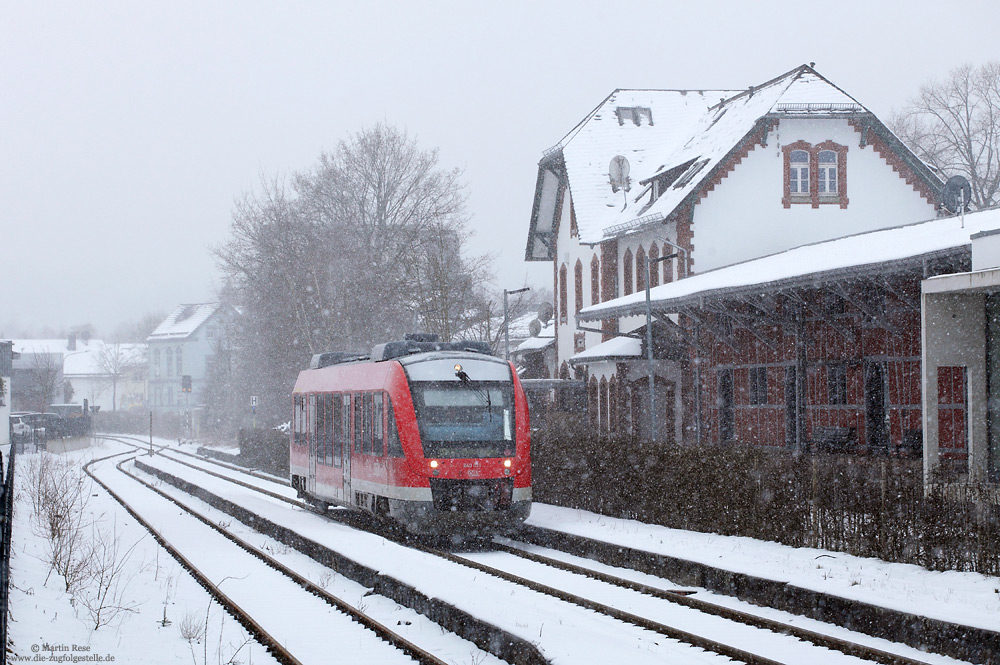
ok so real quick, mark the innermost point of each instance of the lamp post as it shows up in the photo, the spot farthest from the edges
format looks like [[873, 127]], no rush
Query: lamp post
[[649, 345], [506, 326]]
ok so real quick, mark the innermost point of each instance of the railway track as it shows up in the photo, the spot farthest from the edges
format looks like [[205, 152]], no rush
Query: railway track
[[851, 650], [375, 641]]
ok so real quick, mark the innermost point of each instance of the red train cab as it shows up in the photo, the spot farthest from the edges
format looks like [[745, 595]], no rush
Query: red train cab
[[432, 435]]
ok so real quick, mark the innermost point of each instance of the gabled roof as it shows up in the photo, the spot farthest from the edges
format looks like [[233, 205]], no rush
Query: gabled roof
[[691, 134], [871, 253], [183, 321]]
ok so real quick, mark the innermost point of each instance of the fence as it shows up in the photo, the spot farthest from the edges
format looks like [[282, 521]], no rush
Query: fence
[[867, 506], [6, 523]]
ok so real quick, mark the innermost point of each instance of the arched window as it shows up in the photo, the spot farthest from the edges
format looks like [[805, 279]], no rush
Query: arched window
[[563, 314], [180, 365], [627, 272], [815, 174], [640, 270], [654, 273], [595, 281], [827, 172], [578, 285], [798, 173], [170, 363]]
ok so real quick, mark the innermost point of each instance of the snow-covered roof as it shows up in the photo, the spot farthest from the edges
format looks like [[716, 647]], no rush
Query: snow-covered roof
[[183, 321], [589, 149], [864, 253], [30, 346], [535, 344], [82, 361], [689, 132], [87, 362], [616, 347]]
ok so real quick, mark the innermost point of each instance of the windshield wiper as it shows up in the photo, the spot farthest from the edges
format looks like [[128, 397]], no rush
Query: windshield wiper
[[483, 394]]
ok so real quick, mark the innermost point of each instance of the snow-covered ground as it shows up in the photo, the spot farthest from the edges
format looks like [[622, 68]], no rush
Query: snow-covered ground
[[46, 618], [964, 598]]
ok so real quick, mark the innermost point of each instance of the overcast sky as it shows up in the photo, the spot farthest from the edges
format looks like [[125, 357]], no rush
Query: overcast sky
[[128, 129]]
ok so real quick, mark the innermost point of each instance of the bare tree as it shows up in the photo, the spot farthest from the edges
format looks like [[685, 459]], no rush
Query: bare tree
[[59, 499], [44, 379], [954, 126], [138, 331], [448, 286], [362, 248], [109, 573], [385, 202], [118, 362]]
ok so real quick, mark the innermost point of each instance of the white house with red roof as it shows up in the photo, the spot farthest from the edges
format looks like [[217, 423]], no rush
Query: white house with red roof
[[696, 180]]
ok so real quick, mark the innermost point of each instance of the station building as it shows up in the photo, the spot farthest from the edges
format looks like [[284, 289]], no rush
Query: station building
[[753, 216]]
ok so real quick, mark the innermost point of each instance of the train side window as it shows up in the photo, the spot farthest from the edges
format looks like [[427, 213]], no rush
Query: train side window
[[358, 419], [395, 447], [367, 428], [298, 406], [378, 447], [338, 429]]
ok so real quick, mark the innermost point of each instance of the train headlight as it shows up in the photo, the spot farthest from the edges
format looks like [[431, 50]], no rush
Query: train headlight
[[434, 464], [507, 463]]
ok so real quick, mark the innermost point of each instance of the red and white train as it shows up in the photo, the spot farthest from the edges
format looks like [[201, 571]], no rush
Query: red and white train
[[432, 435]]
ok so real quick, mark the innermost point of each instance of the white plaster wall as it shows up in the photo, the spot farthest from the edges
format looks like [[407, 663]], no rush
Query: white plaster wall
[[743, 217], [954, 327], [985, 251]]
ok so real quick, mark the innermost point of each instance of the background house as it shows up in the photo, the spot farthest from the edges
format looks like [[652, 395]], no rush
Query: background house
[[108, 376], [180, 353]]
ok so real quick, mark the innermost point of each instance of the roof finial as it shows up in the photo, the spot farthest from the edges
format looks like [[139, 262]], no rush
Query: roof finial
[[812, 65]]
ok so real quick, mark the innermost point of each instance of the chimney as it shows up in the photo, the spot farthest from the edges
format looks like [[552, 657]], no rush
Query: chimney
[[71, 342]]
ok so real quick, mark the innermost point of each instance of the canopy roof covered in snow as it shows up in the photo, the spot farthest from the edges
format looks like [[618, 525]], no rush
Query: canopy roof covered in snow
[[614, 348], [869, 253]]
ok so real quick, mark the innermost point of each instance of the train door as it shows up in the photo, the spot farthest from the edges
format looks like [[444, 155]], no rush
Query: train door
[[343, 441], [313, 435]]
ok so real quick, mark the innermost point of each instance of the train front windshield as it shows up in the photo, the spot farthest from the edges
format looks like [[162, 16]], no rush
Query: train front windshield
[[465, 419]]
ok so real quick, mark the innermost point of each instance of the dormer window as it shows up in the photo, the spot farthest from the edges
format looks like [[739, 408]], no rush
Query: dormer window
[[815, 174], [637, 115], [688, 175]]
